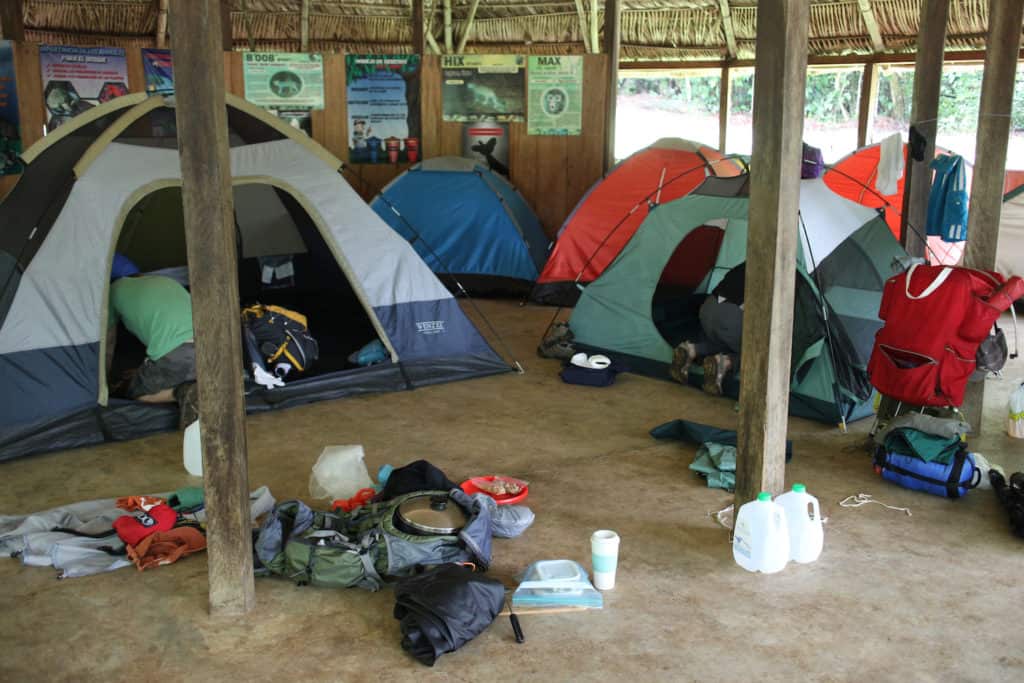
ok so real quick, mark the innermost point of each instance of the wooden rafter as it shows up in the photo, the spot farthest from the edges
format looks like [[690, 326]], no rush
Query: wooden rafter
[[468, 27], [304, 27], [161, 23], [727, 27], [12, 20], [428, 30], [448, 42], [868, 14], [594, 28], [584, 29]]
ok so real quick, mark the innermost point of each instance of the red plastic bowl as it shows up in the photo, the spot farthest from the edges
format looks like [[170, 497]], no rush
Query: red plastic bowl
[[470, 486]]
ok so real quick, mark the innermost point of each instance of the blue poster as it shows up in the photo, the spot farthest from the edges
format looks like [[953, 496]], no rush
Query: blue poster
[[383, 96], [10, 131], [159, 71]]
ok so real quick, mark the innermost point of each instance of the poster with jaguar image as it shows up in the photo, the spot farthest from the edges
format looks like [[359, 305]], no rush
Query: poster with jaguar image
[[483, 87], [555, 105], [284, 80]]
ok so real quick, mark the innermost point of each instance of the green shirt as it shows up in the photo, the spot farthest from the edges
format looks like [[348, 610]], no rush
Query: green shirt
[[154, 308]]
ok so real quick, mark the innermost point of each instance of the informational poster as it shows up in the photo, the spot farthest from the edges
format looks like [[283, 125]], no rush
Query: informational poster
[[487, 143], [284, 80], [383, 108], [78, 78], [159, 71], [483, 87], [10, 129], [555, 104]]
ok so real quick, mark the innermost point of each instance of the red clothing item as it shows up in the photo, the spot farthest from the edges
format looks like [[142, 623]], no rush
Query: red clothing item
[[166, 547], [133, 528]]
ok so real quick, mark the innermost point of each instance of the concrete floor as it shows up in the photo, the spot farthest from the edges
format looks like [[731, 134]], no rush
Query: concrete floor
[[932, 597]]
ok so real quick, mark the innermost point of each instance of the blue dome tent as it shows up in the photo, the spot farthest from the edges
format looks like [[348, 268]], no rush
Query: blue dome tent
[[468, 223]]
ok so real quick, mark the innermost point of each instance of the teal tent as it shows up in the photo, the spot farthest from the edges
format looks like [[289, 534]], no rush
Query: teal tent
[[646, 301]]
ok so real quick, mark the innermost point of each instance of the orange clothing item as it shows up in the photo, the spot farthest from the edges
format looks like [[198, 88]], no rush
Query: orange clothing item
[[166, 547], [144, 503]]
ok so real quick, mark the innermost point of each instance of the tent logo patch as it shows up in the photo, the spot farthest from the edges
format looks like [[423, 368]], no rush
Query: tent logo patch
[[430, 327]]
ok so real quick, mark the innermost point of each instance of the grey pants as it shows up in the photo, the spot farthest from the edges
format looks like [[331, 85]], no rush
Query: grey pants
[[723, 329], [176, 367]]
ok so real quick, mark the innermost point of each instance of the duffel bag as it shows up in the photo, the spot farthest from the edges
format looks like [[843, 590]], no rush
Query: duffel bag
[[951, 480]]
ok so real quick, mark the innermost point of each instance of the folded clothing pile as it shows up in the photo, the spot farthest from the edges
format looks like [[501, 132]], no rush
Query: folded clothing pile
[[716, 462]]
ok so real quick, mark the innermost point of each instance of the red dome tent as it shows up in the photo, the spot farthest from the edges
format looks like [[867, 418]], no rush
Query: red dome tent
[[612, 210], [853, 177]]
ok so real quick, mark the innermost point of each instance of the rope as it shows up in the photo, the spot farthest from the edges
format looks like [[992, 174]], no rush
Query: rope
[[859, 499]]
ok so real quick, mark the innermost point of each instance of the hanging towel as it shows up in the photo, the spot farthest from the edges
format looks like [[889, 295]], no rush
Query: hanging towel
[[947, 203], [890, 164]]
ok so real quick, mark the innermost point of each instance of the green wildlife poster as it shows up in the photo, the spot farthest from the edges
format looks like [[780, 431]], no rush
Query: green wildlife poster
[[555, 104], [483, 87], [284, 80]]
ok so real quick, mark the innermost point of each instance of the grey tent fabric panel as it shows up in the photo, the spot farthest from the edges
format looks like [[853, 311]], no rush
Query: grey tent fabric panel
[[47, 382], [431, 329]]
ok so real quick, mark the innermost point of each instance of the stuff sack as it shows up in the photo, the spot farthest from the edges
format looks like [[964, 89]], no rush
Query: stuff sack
[[952, 481], [1015, 420], [361, 548], [280, 336]]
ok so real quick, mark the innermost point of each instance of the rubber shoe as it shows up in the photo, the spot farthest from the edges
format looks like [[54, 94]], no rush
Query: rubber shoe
[[715, 369], [682, 357]]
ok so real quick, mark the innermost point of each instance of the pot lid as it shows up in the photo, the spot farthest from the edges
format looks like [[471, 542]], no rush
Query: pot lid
[[432, 514]]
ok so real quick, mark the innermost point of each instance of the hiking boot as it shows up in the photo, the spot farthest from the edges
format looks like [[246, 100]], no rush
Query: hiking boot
[[716, 367], [187, 396], [682, 358]]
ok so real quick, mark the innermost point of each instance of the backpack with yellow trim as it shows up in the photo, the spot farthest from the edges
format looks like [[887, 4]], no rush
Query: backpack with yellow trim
[[280, 336]]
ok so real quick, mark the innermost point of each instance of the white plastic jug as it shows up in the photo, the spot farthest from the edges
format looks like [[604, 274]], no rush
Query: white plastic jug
[[192, 447], [803, 517], [760, 536]]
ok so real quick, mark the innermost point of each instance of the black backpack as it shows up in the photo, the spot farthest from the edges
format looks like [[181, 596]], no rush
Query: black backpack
[[280, 336]]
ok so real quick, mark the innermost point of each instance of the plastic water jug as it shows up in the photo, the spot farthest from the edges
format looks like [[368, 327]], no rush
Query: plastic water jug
[[193, 450], [803, 517], [760, 536]]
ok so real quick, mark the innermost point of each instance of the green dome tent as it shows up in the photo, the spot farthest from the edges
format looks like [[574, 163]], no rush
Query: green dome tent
[[646, 302]]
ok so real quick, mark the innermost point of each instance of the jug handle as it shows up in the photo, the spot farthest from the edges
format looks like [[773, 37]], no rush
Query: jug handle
[[816, 509]]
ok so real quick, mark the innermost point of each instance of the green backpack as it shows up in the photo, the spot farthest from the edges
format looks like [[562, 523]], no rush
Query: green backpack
[[360, 548]]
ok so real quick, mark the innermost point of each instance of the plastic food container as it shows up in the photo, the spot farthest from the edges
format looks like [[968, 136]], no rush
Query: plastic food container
[[471, 486]]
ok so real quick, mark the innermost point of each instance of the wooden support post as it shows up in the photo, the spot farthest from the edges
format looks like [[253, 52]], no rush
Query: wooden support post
[[227, 37], [594, 28], [931, 41], [213, 273], [727, 27], [419, 45], [468, 27], [779, 85], [1004, 22], [304, 27], [448, 42], [161, 23], [12, 20], [581, 14], [868, 103], [724, 105], [612, 47]]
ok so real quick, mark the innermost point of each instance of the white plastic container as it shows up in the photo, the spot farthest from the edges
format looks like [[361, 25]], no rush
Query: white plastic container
[[192, 447], [760, 536], [803, 517]]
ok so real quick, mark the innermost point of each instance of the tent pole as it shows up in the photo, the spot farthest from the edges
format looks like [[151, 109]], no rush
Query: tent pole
[[1004, 21], [213, 273], [931, 41], [779, 84]]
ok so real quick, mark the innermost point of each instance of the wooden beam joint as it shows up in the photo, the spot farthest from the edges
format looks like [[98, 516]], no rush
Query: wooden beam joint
[[727, 27]]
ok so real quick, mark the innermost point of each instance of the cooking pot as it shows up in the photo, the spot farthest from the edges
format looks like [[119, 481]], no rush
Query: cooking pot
[[430, 514]]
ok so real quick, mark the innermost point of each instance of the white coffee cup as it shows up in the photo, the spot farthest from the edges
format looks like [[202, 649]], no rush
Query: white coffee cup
[[604, 550]]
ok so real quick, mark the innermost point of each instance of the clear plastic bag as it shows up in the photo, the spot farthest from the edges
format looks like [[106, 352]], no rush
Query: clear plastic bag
[[339, 473], [1015, 420]]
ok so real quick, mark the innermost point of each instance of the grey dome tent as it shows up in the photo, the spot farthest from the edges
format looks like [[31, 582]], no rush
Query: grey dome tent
[[646, 301], [109, 180]]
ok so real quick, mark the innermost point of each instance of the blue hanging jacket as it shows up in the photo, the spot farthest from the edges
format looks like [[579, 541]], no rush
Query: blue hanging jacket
[[947, 203]]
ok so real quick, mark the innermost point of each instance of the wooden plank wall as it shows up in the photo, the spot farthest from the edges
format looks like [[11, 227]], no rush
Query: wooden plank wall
[[552, 172]]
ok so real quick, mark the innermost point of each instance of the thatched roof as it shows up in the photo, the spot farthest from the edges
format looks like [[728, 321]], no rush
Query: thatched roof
[[651, 29]]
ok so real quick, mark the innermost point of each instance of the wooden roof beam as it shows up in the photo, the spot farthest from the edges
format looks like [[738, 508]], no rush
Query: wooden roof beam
[[161, 23], [868, 14], [727, 27], [12, 20], [468, 27], [584, 29]]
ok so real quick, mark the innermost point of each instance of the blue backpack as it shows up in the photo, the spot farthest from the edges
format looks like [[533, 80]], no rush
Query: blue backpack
[[952, 480]]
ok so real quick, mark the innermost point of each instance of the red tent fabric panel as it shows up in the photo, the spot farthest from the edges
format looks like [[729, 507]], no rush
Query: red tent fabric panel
[[590, 240], [853, 177], [694, 258]]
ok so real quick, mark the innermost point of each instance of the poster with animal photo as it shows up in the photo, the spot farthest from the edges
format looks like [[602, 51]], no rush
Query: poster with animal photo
[[76, 79], [555, 106], [10, 129], [159, 70], [383, 97], [483, 87], [487, 143], [284, 80]]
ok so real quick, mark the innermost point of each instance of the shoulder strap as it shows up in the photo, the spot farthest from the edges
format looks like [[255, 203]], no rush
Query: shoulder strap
[[935, 284]]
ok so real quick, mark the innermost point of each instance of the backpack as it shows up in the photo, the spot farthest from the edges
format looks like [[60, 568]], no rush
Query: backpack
[[363, 547], [280, 336]]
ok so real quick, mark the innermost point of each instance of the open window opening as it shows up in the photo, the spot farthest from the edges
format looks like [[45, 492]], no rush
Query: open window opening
[[283, 260], [683, 284]]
